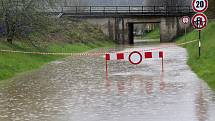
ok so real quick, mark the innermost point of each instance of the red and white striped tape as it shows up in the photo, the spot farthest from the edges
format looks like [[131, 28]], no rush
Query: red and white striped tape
[[125, 56]]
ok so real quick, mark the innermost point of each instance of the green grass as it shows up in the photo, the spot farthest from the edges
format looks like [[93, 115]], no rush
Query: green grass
[[155, 34], [12, 64], [204, 66]]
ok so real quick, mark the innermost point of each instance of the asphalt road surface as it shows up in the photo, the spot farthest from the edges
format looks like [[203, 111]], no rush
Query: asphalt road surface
[[76, 89]]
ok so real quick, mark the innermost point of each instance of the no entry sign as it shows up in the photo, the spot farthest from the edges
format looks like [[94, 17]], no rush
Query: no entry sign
[[185, 19], [200, 5], [199, 21]]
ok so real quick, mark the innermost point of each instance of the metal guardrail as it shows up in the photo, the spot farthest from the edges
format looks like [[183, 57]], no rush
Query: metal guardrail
[[126, 10]]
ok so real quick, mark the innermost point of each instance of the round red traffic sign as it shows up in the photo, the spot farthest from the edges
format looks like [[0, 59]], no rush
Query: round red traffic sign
[[200, 5], [135, 58], [199, 21], [185, 19]]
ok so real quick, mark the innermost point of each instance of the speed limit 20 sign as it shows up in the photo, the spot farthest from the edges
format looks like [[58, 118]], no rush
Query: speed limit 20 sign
[[200, 5]]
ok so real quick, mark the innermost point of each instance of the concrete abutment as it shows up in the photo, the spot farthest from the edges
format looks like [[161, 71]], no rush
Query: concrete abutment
[[121, 29], [168, 29]]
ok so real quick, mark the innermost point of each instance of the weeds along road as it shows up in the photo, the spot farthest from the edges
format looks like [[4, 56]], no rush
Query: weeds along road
[[76, 89]]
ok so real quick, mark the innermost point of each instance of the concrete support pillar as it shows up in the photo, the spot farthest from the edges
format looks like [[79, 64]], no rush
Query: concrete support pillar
[[116, 30], [168, 29], [110, 29], [126, 32], [123, 31]]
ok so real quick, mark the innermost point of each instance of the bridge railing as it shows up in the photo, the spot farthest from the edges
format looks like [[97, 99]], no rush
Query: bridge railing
[[140, 10]]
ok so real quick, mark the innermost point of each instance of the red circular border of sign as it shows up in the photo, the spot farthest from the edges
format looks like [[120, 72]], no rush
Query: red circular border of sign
[[141, 58], [185, 17], [203, 15], [194, 8]]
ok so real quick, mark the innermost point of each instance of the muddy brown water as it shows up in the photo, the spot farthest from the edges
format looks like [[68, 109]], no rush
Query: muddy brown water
[[76, 89]]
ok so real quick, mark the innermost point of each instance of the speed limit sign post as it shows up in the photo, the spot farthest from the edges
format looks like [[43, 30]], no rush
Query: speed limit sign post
[[199, 20]]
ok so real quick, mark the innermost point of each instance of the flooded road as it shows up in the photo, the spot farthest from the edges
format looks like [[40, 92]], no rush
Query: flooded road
[[76, 89]]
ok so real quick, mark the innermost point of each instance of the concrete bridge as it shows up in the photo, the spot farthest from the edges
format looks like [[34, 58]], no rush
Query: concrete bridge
[[118, 21]]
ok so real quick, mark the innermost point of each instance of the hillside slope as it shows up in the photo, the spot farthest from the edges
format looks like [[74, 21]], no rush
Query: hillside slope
[[66, 37], [204, 66]]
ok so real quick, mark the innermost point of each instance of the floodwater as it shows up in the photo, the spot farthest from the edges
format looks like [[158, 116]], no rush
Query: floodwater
[[76, 89]]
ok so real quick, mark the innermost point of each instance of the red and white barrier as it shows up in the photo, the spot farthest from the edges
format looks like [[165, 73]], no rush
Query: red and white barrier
[[125, 56], [134, 57]]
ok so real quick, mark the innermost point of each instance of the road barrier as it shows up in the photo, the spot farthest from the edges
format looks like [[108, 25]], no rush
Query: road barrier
[[127, 56], [135, 57]]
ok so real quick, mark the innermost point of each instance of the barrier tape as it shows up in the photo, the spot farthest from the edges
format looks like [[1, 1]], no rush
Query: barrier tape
[[49, 53], [91, 54], [167, 46]]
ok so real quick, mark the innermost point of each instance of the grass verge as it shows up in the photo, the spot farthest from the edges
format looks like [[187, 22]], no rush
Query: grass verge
[[12, 64], [204, 66]]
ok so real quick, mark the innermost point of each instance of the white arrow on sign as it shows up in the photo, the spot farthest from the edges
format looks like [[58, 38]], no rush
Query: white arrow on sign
[[200, 5]]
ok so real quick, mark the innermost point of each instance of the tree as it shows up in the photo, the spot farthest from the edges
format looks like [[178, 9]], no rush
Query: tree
[[22, 16]]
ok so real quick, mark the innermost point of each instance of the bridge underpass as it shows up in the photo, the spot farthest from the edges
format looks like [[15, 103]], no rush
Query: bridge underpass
[[138, 31], [146, 32], [122, 29], [117, 21]]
